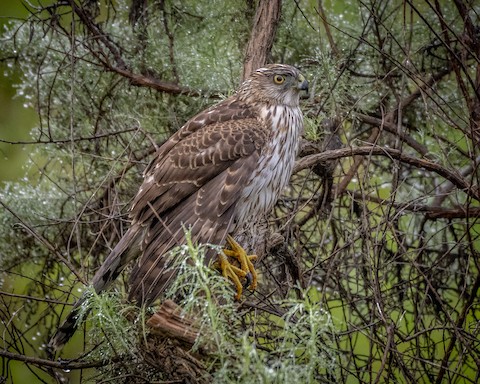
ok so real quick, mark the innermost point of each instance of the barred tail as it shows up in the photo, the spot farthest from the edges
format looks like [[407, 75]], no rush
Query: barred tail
[[66, 330], [126, 250]]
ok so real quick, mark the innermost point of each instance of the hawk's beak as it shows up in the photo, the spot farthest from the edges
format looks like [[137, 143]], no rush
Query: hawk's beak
[[302, 83]]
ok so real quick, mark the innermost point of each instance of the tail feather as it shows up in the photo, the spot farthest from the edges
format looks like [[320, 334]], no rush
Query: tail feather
[[67, 329], [126, 250]]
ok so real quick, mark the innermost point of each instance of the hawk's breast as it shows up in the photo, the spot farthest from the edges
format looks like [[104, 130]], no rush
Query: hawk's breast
[[275, 164]]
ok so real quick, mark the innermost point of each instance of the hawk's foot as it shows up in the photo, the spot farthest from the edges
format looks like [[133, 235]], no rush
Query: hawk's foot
[[246, 270]]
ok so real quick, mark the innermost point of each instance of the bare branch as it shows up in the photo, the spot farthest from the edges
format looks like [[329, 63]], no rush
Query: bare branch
[[452, 176]]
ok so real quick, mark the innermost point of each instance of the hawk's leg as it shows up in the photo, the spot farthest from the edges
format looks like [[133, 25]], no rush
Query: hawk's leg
[[246, 270]]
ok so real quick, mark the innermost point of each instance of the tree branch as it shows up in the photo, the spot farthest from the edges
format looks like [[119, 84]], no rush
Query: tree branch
[[121, 67], [452, 176], [61, 364], [431, 212]]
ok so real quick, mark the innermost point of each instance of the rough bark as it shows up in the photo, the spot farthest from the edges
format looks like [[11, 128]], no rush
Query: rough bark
[[169, 346], [262, 36]]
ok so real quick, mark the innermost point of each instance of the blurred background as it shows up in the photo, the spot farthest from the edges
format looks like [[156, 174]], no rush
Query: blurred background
[[16, 117]]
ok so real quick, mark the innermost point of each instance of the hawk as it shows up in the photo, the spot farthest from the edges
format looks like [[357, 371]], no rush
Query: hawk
[[223, 169]]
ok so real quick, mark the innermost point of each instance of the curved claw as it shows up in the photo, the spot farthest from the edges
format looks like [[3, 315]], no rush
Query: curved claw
[[231, 272], [245, 260], [246, 270], [248, 280]]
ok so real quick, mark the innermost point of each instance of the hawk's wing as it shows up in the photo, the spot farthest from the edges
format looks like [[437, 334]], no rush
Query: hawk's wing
[[195, 184], [188, 158]]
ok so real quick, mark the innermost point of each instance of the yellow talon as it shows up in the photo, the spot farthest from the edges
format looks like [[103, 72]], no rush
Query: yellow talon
[[246, 270], [245, 260], [230, 271]]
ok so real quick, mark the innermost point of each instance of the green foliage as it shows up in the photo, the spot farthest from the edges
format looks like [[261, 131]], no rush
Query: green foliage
[[109, 322], [298, 347]]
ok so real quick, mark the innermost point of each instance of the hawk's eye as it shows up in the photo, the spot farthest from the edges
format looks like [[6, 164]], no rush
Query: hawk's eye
[[279, 79]]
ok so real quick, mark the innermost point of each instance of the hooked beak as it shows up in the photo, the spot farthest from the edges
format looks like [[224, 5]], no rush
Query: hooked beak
[[302, 83]]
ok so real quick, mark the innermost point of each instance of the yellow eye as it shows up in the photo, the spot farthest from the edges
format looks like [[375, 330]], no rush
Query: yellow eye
[[279, 79]]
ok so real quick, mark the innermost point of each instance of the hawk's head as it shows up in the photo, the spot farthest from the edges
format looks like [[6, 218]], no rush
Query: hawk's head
[[274, 84]]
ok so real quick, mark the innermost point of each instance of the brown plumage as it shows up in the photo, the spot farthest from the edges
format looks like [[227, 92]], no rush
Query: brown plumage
[[219, 174]]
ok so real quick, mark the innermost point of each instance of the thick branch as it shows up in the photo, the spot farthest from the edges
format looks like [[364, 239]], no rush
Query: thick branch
[[159, 85], [170, 321], [458, 181]]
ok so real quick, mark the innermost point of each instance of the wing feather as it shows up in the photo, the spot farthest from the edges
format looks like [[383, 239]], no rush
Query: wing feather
[[192, 163], [227, 110], [195, 184], [208, 214]]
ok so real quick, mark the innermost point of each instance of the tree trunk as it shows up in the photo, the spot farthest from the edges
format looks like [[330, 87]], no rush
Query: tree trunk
[[263, 34]]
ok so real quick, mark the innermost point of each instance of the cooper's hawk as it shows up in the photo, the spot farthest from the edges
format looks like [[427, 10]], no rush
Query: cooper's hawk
[[223, 169]]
